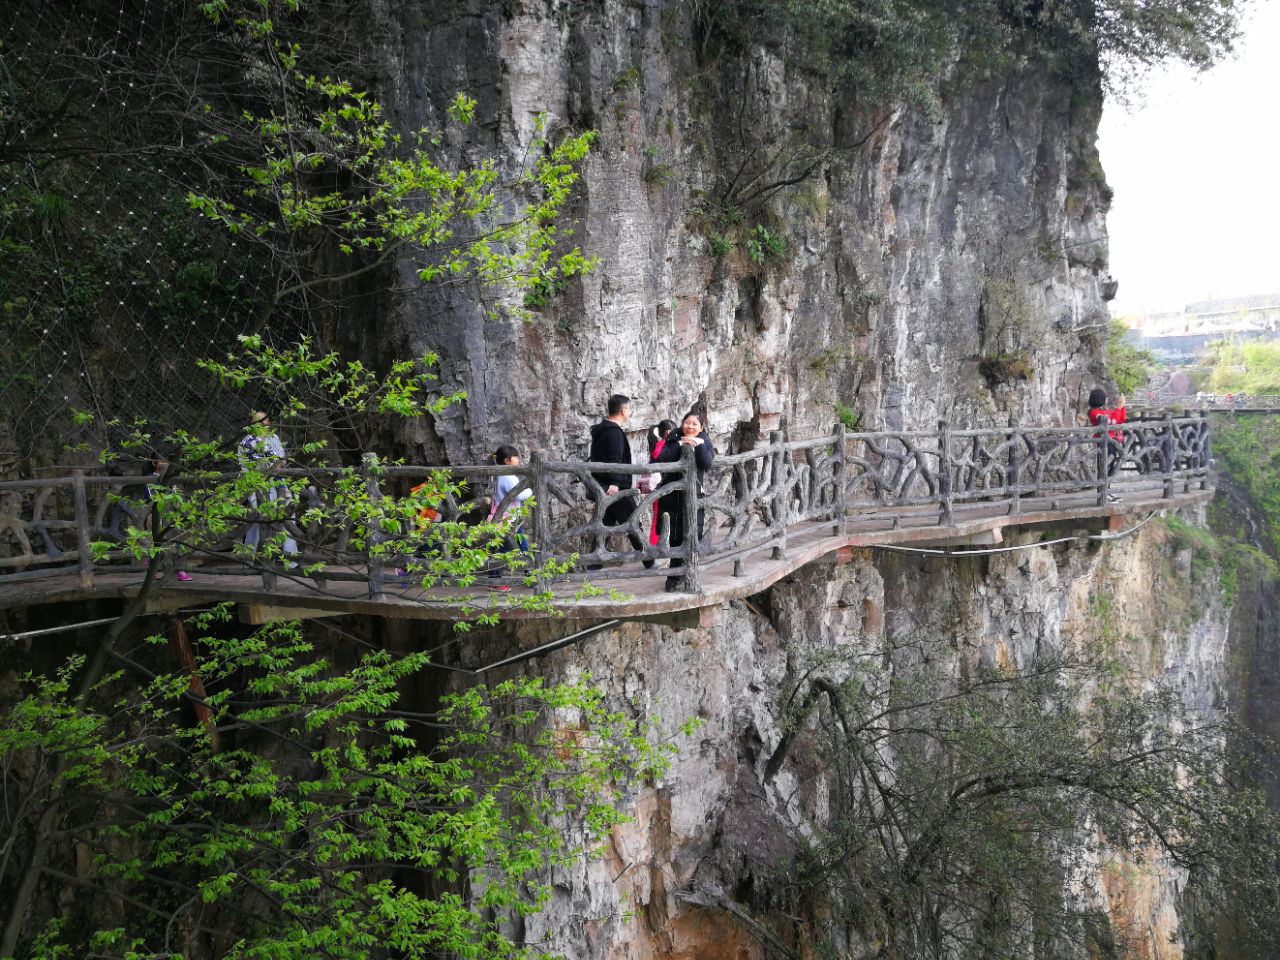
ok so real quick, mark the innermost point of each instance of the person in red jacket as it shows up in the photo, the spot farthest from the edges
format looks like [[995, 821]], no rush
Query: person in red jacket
[[657, 440], [1102, 415]]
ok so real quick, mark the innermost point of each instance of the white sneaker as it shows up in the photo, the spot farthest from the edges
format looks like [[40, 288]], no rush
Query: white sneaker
[[1112, 498]]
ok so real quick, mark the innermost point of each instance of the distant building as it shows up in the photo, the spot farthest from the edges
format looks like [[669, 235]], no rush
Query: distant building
[[1178, 336]]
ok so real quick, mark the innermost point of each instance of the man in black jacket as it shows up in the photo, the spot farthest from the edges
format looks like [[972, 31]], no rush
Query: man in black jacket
[[609, 445]]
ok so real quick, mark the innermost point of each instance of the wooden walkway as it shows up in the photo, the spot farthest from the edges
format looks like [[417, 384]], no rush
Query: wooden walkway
[[723, 579], [766, 512]]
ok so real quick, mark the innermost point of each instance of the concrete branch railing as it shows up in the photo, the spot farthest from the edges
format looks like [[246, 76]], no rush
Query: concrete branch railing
[[747, 502]]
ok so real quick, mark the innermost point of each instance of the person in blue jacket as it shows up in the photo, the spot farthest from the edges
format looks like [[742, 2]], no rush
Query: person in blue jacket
[[693, 434]]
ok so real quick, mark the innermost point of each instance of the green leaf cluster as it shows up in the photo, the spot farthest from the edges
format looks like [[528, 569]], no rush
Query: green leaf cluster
[[1245, 366], [314, 811], [1128, 367]]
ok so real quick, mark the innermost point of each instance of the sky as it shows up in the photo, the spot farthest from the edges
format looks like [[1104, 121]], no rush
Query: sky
[[1195, 166]]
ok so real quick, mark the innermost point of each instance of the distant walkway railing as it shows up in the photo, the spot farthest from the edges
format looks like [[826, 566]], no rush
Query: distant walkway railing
[[1165, 399], [748, 502]]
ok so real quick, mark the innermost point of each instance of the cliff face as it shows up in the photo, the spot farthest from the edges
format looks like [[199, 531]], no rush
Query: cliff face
[[949, 264], [719, 834], [928, 264]]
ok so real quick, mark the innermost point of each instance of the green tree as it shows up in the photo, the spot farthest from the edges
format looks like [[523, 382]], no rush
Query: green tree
[[1128, 367], [312, 809], [311, 812], [891, 49], [1248, 366], [118, 123]]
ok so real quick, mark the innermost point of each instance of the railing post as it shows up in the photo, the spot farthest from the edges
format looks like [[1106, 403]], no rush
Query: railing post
[[944, 472], [1104, 475], [692, 531], [376, 536], [1206, 458], [1014, 480], [838, 478], [541, 517], [778, 454], [83, 551], [1167, 449]]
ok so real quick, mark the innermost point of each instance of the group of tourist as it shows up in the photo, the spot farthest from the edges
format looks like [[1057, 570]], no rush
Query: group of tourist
[[666, 441], [609, 444], [261, 448]]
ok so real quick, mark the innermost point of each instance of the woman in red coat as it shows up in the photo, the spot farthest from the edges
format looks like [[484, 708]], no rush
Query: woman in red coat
[[1098, 410], [657, 439], [1102, 415]]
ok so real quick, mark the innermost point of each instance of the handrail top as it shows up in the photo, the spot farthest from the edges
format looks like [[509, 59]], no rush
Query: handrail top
[[580, 467]]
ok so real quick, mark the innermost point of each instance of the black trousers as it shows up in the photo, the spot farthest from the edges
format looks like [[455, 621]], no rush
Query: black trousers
[[673, 506]]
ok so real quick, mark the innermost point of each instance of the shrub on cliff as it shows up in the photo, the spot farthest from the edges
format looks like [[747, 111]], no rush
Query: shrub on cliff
[[970, 807], [887, 49]]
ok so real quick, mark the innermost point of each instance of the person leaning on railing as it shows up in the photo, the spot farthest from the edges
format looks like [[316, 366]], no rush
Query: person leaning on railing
[[690, 434], [1102, 415]]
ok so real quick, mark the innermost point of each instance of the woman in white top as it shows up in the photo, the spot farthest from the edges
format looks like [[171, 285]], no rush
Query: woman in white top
[[261, 449], [508, 456]]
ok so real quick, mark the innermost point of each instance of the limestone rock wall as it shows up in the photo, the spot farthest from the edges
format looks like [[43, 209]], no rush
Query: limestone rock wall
[[947, 264]]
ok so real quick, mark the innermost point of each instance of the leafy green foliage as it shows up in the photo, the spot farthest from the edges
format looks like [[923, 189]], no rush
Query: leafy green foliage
[[763, 244], [390, 194], [830, 360], [719, 244], [970, 800], [1250, 366], [154, 206], [312, 812], [1128, 367], [1248, 448], [1003, 368], [848, 416], [1219, 558]]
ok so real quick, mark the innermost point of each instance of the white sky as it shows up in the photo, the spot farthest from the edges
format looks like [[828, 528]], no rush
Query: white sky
[[1195, 166]]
